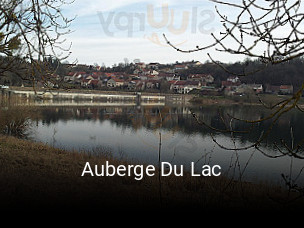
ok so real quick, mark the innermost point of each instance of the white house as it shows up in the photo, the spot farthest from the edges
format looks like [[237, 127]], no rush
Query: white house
[[115, 82]]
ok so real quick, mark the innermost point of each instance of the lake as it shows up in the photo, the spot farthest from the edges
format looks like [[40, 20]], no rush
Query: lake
[[134, 132]]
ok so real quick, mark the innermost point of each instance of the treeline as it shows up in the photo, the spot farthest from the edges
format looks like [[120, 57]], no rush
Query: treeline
[[16, 71], [289, 73]]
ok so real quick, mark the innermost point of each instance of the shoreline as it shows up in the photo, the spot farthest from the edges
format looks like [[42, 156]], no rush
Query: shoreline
[[146, 97], [40, 172]]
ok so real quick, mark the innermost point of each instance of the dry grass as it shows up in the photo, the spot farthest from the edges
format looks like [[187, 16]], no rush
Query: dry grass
[[36, 175], [267, 99], [15, 117], [15, 121]]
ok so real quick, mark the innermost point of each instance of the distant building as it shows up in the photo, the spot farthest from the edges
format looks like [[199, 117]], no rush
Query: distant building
[[211, 91], [201, 77], [143, 77], [272, 89], [193, 63], [153, 84], [230, 86], [4, 87], [184, 87], [234, 79], [286, 89], [168, 76], [84, 82], [140, 65], [282, 89], [115, 82], [94, 83], [180, 67], [109, 74], [154, 72], [245, 88], [196, 63], [74, 77], [136, 85], [257, 88]]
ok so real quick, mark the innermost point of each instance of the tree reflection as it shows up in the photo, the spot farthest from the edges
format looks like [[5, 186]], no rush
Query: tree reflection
[[179, 119]]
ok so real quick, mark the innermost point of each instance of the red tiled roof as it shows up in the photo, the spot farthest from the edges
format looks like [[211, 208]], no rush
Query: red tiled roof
[[273, 87], [93, 82], [199, 75], [180, 83], [172, 82], [230, 83], [286, 87], [109, 74], [192, 83], [97, 73], [85, 80]]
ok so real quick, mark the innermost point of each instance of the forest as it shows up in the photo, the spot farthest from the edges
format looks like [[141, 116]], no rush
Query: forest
[[287, 73]]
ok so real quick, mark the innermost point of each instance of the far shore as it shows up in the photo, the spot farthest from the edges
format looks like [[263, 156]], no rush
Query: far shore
[[188, 99], [89, 91]]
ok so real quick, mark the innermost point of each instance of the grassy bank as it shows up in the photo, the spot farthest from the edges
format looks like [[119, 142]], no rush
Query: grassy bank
[[212, 100], [267, 99], [36, 175]]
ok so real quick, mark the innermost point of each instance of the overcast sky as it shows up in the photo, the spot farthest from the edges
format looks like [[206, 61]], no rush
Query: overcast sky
[[108, 31]]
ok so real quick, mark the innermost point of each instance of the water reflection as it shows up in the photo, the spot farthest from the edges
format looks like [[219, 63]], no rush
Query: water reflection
[[132, 132]]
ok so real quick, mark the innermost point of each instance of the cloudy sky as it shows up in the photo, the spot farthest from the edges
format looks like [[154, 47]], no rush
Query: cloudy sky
[[108, 31]]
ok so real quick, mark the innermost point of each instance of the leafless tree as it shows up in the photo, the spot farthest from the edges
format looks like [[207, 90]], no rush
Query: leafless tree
[[271, 31], [31, 31], [275, 26]]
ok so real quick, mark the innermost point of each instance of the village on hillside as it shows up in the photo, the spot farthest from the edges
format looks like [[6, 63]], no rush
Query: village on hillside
[[155, 77]]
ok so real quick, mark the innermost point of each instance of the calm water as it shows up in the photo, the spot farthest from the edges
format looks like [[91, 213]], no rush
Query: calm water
[[133, 132]]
